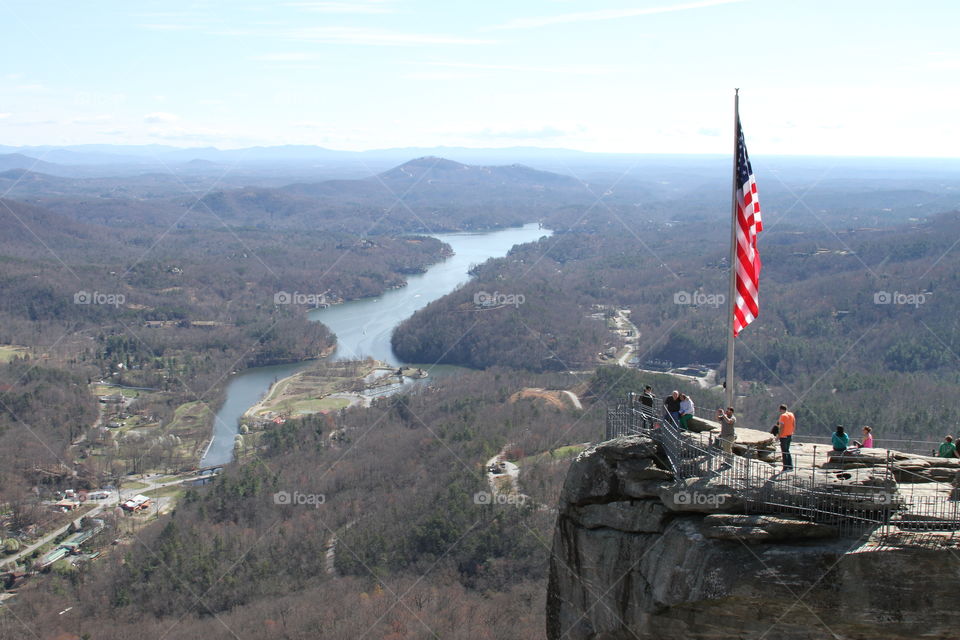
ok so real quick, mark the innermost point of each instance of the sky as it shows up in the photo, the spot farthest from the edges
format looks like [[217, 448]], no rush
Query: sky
[[843, 77]]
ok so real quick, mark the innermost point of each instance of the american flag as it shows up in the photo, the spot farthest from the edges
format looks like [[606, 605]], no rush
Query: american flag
[[747, 306]]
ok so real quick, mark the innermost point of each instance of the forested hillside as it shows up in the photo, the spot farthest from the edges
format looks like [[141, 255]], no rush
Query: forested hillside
[[358, 508], [398, 488], [861, 325]]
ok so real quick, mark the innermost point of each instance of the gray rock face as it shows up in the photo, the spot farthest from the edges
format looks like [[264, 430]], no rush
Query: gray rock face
[[906, 467], [631, 561], [762, 528]]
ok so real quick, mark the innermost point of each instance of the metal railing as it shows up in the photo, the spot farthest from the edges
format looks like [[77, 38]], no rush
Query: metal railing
[[878, 503]]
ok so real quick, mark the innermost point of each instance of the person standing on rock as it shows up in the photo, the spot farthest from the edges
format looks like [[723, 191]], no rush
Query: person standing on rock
[[671, 405], [786, 425], [728, 433], [647, 397], [686, 410]]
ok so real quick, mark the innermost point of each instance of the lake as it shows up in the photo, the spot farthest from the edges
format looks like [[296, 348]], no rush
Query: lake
[[363, 327]]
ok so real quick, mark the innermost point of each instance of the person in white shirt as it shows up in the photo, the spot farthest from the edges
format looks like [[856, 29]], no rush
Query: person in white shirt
[[686, 409]]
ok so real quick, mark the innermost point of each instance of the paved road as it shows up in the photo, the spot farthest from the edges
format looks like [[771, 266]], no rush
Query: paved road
[[56, 532], [623, 322], [153, 482]]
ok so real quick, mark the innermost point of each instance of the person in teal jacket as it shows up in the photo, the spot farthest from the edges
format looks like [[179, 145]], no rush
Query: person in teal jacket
[[840, 440]]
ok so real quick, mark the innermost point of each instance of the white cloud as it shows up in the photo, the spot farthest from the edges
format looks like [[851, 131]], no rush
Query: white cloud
[[168, 26], [97, 119], [376, 37], [571, 69], [545, 132], [196, 134], [438, 75], [289, 56], [4, 115], [160, 117], [605, 14], [373, 6]]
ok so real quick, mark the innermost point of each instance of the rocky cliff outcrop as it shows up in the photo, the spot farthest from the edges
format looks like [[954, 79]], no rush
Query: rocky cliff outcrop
[[639, 555]]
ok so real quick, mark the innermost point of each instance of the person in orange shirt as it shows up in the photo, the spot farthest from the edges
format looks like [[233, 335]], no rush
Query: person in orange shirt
[[786, 425]]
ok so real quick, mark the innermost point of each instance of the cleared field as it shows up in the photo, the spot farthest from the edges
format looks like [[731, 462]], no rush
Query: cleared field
[[560, 453], [190, 417], [106, 390], [555, 399], [10, 351], [174, 491], [308, 391], [312, 405]]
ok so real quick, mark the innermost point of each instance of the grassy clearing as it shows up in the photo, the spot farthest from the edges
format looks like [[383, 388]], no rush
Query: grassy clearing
[[189, 417], [311, 405], [10, 351], [560, 453], [173, 491], [106, 390], [308, 391]]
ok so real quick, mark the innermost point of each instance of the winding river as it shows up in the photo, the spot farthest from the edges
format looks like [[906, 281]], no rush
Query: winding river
[[363, 327]]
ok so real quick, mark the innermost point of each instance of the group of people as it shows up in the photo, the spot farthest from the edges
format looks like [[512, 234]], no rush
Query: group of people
[[680, 407], [841, 441]]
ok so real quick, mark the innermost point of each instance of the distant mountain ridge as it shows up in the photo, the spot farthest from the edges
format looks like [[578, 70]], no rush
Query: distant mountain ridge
[[10, 161], [436, 168], [438, 195]]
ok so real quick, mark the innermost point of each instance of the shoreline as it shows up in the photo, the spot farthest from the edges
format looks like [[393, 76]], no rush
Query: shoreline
[[273, 396]]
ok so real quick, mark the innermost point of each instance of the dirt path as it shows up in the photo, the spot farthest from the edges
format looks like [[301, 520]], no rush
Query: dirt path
[[552, 398], [330, 556], [574, 399]]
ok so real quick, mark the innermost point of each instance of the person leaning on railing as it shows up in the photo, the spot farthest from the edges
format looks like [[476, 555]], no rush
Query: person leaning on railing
[[672, 405], [686, 410]]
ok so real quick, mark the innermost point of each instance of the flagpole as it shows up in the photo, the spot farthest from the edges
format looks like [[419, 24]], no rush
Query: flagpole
[[732, 291]]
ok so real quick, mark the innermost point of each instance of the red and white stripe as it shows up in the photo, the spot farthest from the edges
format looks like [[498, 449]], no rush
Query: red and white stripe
[[749, 224]]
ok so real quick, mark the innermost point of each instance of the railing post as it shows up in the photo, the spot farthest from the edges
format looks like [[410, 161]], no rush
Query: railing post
[[814, 469]]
